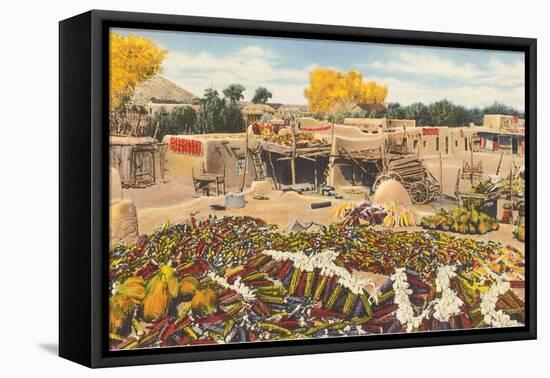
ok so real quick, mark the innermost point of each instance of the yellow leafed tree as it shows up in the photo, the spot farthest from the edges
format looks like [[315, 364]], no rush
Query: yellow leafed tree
[[133, 59], [331, 90]]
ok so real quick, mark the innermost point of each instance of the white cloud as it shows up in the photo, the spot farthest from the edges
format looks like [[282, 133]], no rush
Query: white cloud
[[425, 64], [512, 74], [430, 65], [409, 91], [428, 77], [251, 66]]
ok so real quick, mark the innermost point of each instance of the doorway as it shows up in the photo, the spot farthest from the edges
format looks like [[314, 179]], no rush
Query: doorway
[[514, 146]]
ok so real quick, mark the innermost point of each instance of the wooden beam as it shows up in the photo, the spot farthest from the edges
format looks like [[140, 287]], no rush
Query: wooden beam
[[246, 152], [440, 180], [316, 173], [354, 161], [293, 153]]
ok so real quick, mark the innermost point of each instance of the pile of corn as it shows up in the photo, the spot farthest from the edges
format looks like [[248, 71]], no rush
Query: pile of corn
[[265, 128], [399, 216], [469, 287], [381, 251], [222, 280], [462, 220], [216, 242], [302, 139]]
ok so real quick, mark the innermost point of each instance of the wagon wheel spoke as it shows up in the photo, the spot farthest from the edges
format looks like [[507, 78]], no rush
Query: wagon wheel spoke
[[419, 192]]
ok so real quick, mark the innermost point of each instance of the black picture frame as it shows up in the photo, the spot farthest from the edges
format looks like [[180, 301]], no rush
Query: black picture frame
[[84, 192]]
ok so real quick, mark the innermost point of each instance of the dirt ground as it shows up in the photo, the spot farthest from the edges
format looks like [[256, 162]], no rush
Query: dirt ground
[[452, 163], [282, 209], [175, 200]]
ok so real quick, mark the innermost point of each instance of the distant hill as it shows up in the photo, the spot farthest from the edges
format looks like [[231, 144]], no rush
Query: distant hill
[[161, 90]]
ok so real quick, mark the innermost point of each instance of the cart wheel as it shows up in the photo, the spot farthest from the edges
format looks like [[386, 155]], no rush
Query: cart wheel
[[419, 192], [384, 177]]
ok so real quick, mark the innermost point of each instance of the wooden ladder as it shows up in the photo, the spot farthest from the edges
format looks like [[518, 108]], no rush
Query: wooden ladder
[[258, 163]]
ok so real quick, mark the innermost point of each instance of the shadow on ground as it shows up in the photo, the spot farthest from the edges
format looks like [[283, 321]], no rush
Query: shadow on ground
[[51, 348]]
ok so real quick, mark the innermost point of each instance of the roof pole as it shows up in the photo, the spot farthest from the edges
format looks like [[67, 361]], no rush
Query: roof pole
[[245, 154], [293, 152]]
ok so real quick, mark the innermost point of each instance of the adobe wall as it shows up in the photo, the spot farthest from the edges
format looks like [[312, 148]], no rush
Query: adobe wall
[[426, 142], [212, 153], [122, 151], [223, 154]]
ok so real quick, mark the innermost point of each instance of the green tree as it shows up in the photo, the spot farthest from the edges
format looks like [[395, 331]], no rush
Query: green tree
[[395, 111], [233, 118], [234, 93], [475, 115], [181, 120], [498, 108], [184, 119], [161, 121], [211, 118], [442, 113], [261, 96], [419, 112], [460, 116]]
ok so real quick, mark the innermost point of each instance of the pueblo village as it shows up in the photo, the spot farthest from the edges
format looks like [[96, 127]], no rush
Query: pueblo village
[[347, 215]]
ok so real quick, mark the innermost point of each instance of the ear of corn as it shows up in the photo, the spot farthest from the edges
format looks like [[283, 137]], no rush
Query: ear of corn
[[160, 289], [189, 285], [462, 220], [204, 302], [399, 216], [125, 299]]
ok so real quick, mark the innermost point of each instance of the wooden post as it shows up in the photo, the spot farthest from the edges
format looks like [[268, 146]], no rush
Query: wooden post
[[471, 166], [512, 171], [440, 180], [511, 196], [293, 153], [245, 156], [156, 130], [316, 178], [499, 163], [332, 157], [457, 188]]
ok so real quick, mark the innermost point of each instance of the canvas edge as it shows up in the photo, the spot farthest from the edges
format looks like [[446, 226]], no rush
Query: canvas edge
[[75, 333]]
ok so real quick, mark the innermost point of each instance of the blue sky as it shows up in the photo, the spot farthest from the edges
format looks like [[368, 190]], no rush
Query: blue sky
[[469, 77]]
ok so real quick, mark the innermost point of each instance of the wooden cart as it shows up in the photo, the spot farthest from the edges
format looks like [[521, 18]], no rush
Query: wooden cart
[[409, 170]]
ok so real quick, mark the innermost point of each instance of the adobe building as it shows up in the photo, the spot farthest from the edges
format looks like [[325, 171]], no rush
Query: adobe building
[[341, 155], [221, 156], [379, 125], [139, 160], [360, 142], [502, 133], [255, 112]]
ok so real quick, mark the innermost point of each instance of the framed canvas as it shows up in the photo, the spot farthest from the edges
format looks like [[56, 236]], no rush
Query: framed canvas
[[236, 188]]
